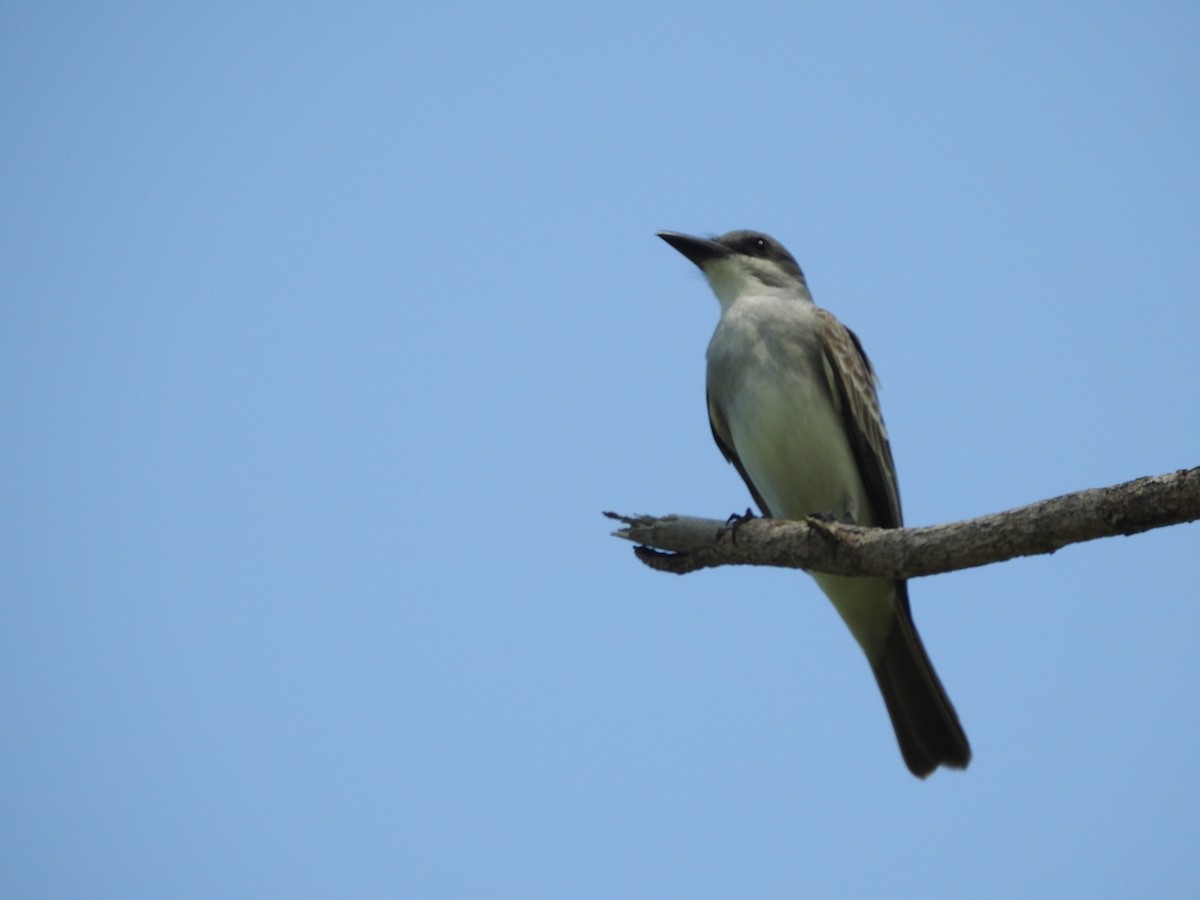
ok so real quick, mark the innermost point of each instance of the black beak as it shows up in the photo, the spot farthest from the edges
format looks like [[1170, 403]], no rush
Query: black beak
[[699, 250]]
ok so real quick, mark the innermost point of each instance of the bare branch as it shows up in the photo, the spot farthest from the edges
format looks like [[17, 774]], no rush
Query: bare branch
[[684, 544]]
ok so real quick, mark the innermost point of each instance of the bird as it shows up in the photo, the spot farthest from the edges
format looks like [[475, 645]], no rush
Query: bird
[[792, 404]]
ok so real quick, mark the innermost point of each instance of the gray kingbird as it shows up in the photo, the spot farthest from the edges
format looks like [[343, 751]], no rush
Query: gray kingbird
[[792, 404]]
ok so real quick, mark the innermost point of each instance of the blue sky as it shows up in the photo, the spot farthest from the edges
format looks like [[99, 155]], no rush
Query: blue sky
[[327, 333]]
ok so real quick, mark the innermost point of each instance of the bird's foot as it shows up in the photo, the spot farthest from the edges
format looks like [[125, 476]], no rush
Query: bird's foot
[[737, 520]]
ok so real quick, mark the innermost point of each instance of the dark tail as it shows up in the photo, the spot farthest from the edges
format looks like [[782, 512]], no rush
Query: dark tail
[[926, 725]]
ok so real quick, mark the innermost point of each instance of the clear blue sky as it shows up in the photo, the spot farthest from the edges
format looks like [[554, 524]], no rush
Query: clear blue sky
[[327, 332]]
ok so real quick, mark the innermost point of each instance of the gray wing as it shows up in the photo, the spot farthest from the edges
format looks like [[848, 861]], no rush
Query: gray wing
[[853, 382], [926, 725], [720, 433]]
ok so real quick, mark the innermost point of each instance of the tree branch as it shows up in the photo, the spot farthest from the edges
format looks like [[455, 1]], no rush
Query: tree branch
[[684, 544]]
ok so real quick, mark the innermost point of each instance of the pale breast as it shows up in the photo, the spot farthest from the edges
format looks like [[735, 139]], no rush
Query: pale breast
[[766, 375]]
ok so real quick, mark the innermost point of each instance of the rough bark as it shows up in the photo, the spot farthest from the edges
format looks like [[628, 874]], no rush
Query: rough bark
[[684, 544]]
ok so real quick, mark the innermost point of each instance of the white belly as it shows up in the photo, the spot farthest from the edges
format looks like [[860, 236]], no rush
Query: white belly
[[792, 444]]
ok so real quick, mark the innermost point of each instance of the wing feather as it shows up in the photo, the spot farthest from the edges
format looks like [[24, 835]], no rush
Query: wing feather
[[854, 391]]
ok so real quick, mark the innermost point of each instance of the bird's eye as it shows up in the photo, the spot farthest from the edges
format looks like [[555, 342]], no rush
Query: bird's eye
[[760, 245]]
